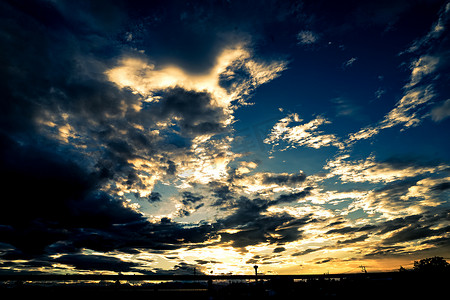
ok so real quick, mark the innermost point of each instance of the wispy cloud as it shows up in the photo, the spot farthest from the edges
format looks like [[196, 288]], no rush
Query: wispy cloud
[[370, 170], [304, 135], [379, 93], [349, 62], [435, 32], [407, 112], [419, 91], [440, 112], [405, 197], [306, 37], [346, 108], [421, 67]]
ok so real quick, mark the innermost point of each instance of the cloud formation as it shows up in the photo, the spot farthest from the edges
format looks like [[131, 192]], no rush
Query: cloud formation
[[370, 170], [95, 121], [306, 37], [118, 131], [305, 135], [420, 90]]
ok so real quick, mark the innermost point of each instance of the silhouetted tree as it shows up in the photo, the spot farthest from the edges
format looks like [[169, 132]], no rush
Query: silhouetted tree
[[402, 269], [435, 264]]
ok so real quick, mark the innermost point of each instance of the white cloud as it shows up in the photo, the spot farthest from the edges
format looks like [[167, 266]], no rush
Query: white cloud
[[207, 161], [404, 198], [363, 134], [207, 158], [145, 78], [369, 170], [423, 66], [440, 112], [305, 134], [407, 109], [156, 139]]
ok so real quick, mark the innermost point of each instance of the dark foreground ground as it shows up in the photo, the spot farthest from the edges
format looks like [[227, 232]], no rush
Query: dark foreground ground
[[407, 286]]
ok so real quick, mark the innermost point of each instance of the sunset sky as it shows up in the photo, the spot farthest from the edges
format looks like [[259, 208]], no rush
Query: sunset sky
[[161, 136]]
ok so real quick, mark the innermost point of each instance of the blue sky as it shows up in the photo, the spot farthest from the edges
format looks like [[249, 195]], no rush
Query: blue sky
[[302, 136]]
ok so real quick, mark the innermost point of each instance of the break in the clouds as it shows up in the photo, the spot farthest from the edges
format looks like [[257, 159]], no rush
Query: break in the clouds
[[148, 137]]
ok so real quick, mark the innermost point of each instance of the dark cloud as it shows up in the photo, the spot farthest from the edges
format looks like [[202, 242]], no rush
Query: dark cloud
[[347, 230], [96, 262], [69, 88], [428, 227], [386, 251], [255, 227], [336, 223], [182, 268], [190, 198], [59, 196], [192, 114], [441, 186], [354, 240], [191, 202], [196, 111], [65, 86], [204, 262], [279, 249], [61, 210], [403, 229], [192, 34], [59, 77], [438, 242], [304, 252], [405, 161], [171, 168], [414, 232], [246, 211], [223, 193], [154, 197], [284, 179], [57, 190], [324, 260], [287, 198], [398, 223]]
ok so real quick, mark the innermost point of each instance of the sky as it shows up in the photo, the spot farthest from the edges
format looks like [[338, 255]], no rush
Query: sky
[[159, 137]]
